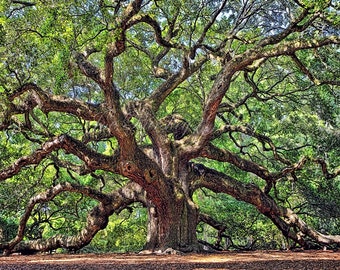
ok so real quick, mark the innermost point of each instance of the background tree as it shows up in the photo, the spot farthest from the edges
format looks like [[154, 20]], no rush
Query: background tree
[[176, 107]]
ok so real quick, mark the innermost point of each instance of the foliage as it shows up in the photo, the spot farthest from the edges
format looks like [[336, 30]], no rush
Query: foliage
[[8, 228]]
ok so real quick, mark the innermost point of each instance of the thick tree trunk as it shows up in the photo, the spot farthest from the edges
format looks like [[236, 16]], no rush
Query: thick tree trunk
[[172, 214], [173, 226]]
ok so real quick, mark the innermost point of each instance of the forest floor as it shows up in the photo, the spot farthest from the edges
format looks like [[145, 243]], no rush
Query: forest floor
[[225, 260]]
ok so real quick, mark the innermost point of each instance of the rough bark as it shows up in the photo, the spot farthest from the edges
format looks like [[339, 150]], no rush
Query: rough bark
[[285, 219], [174, 227], [97, 218]]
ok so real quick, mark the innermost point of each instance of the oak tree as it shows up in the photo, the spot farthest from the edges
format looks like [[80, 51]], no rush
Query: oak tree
[[150, 101]]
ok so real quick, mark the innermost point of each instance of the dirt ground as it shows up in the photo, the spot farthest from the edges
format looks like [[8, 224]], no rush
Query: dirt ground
[[226, 260]]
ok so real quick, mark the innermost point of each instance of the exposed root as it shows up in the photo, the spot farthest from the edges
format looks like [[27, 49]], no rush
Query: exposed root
[[168, 251], [201, 248]]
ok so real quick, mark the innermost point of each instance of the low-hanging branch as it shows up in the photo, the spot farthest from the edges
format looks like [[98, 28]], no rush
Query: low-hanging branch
[[46, 197], [97, 218], [284, 218]]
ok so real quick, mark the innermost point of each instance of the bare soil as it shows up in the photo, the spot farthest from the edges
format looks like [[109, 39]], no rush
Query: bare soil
[[226, 260]]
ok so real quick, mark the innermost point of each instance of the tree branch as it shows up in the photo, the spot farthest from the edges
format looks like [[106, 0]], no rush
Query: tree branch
[[250, 193], [208, 26], [212, 152], [48, 102], [292, 28], [221, 85], [163, 90], [48, 196], [92, 159], [88, 69], [97, 219], [162, 146], [111, 117], [24, 3], [158, 31], [325, 170], [205, 129], [309, 74], [220, 227], [284, 48], [250, 132], [118, 45]]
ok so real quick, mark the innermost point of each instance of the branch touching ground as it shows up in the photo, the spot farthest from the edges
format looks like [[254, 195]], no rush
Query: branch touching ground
[[285, 219], [97, 219], [48, 196]]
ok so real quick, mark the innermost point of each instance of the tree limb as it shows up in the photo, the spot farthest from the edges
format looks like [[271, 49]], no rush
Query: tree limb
[[208, 26], [49, 102], [97, 219], [285, 48], [221, 85], [250, 132], [325, 171], [48, 196], [158, 31], [162, 146], [213, 152], [292, 28], [88, 69], [164, 89], [92, 159], [221, 183], [309, 74]]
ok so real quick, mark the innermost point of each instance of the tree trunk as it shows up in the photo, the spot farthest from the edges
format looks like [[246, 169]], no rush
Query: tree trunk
[[173, 226]]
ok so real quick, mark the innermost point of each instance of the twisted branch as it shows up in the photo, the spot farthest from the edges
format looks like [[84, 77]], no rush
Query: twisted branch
[[92, 159], [97, 219], [284, 218]]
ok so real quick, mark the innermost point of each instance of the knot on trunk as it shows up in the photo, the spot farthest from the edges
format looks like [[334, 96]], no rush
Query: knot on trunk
[[150, 175], [129, 168]]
